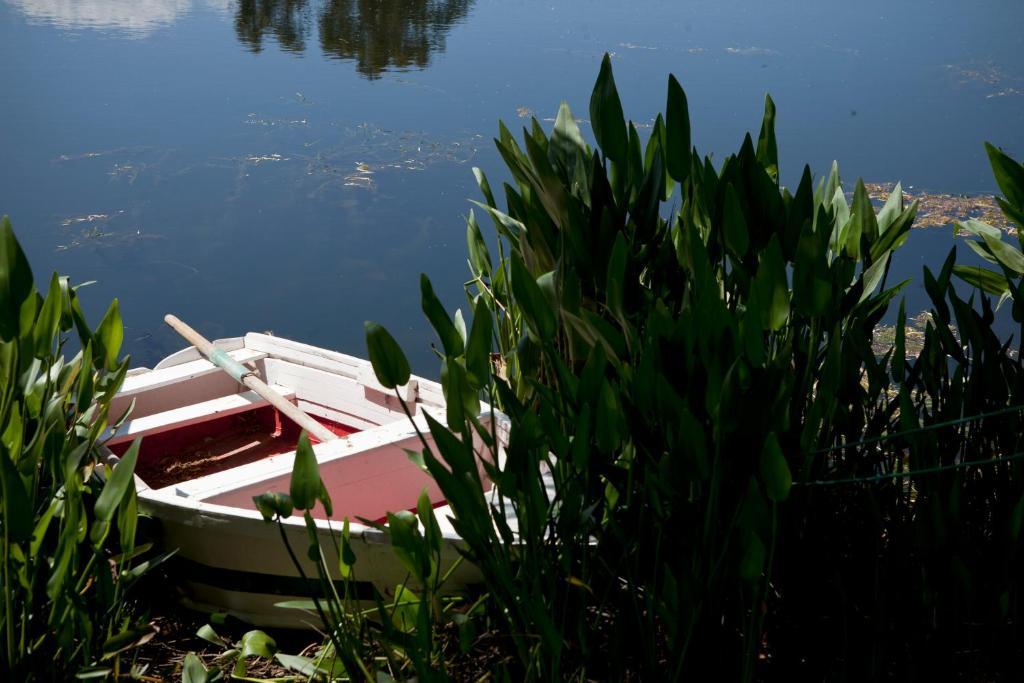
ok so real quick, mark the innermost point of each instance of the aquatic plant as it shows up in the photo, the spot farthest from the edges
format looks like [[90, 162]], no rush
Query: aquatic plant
[[1006, 282], [747, 481], [68, 553], [743, 485]]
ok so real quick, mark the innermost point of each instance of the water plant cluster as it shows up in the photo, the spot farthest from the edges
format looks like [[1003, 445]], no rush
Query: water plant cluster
[[744, 485], [748, 483], [68, 553]]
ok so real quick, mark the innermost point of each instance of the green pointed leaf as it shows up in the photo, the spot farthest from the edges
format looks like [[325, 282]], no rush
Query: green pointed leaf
[[841, 224], [16, 506], [566, 139], [1006, 254], [108, 337], [677, 132], [46, 326], [536, 309], [767, 148], [1009, 175], [128, 639], [873, 276], [16, 284], [461, 400], [479, 257], [893, 208], [118, 481], [306, 486], [259, 644], [979, 228], [478, 348], [737, 236], [389, 363], [812, 285], [207, 633], [769, 292], [606, 115], [450, 339], [988, 281], [896, 233], [407, 543], [193, 671], [460, 326]]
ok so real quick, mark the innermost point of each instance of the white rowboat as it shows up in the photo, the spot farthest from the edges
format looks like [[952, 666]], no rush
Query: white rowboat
[[209, 445]]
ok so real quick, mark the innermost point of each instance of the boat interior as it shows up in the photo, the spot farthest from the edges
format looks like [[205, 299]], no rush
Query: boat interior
[[208, 438]]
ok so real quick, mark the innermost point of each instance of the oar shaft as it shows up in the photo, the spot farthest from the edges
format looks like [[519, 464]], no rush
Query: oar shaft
[[241, 374]]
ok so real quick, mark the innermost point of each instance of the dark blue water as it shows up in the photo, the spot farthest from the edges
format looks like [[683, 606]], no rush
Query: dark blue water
[[293, 165]]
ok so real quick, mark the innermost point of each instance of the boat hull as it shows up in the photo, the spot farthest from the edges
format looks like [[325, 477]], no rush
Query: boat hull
[[230, 560]]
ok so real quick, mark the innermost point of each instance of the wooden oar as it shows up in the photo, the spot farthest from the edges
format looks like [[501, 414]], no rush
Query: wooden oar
[[244, 375]]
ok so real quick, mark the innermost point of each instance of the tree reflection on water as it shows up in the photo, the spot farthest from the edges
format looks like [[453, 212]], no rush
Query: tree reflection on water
[[285, 20], [378, 35]]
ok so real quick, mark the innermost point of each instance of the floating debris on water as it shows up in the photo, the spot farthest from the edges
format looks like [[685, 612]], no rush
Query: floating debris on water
[[371, 149], [65, 158], [990, 76], [260, 158], [941, 210], [885, 335], [523, 112], [362, 177], [751, 51], [90, 234], [96, 236], [87, 155], [914, 335], [334, 156], [585, 122], [94, 229], [91, 218], [631, 46], [129, 172], [1004, 93], [254, 120]]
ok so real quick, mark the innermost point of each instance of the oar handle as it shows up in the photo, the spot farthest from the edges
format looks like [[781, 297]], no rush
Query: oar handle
[[245, 376]]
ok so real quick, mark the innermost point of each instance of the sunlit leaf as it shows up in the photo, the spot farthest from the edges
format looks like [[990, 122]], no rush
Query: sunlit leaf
[[1009, 175], [389, 363]]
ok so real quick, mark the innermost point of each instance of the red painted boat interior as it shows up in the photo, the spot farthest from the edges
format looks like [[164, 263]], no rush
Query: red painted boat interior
[[367, 484], [216, 445]]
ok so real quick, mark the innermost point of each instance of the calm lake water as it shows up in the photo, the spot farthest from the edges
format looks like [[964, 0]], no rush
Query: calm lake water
[[294, 165]]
